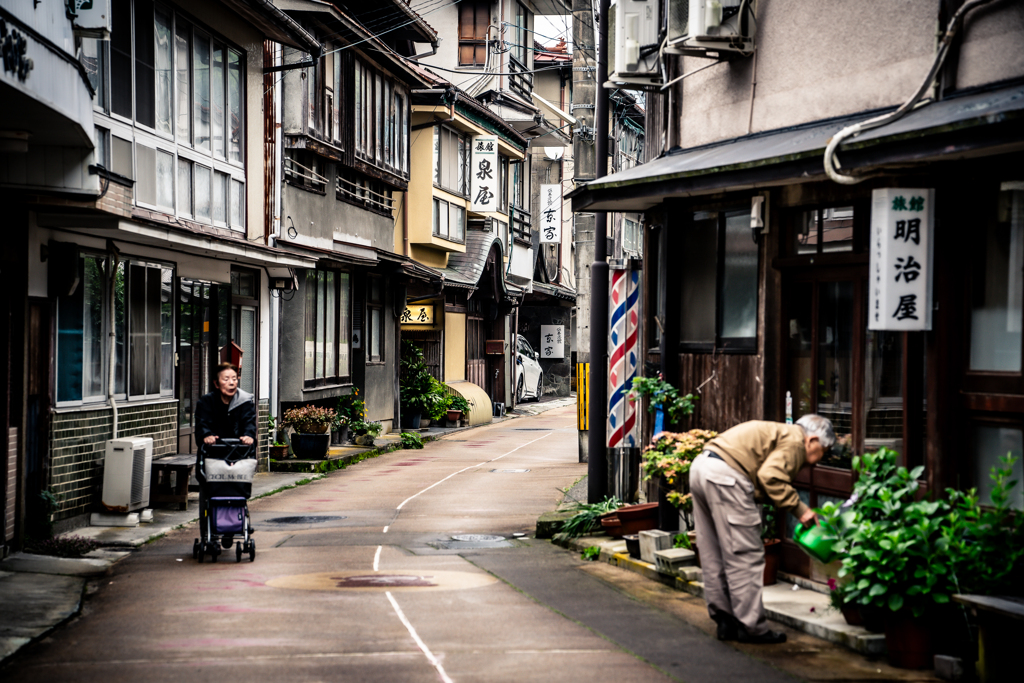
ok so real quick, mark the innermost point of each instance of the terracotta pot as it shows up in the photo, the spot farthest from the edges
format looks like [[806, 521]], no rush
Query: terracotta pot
[[454, 415], [279, 452], [873, 618], [908, 641], [772, 558], [631, 519]]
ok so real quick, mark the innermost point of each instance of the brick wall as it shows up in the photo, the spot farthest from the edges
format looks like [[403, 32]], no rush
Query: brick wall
[[11, 480], [78, 440]]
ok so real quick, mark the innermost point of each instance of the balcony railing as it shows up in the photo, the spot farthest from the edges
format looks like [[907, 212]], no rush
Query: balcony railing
[[521, 80], [521, 228]]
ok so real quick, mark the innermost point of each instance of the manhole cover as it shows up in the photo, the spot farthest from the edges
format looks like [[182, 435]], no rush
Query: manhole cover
[[477, 538], [510, 471], [396, 581], [305, 519], [532, 429]]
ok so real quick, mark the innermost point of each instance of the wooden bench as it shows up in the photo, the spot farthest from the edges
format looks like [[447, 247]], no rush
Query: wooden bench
[[1000, 633], [169, 479]]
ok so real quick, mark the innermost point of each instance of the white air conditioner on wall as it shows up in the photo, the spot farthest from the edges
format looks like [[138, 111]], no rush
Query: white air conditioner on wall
[[710, 28], [634, 40], [126, 473]]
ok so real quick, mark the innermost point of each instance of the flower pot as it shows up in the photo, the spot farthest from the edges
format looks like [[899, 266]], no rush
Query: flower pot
[[278, 452], [411, 421], [453, 417], [908, 640], [311, 446], [851, 612], [873, 618], [339, 436], [631, 519], [632, 545], [772, 558]]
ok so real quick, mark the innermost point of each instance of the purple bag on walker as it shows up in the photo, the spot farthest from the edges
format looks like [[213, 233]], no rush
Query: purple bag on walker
[[228, 515]]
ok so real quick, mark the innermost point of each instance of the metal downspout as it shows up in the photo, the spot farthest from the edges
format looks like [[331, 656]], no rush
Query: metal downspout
[[112, 337]]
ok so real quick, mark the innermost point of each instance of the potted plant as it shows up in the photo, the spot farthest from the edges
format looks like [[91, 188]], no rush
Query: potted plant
[[415, 385], [349, 409], [311, 424], [339, 430], [365, 432], [667, 460], [905, 558], [458, 407], [278, 448], [663, 400], [437, 400]]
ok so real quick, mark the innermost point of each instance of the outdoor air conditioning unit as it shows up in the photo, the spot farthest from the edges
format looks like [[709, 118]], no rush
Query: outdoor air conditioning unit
[[126, 472], [710, 28], [634, 40]]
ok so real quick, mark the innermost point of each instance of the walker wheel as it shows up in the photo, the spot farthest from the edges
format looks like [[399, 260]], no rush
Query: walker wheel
[[238, 551], [252, 550], [195, 549]]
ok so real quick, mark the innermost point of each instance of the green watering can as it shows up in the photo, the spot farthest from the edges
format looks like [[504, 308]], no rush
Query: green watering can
[[813, 541]]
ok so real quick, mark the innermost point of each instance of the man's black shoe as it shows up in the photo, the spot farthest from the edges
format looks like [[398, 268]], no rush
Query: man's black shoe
[[767, 638], [727, 630]]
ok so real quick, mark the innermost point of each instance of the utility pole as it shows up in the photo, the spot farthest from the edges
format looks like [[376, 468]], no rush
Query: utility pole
[[584, 90], [597, 465]]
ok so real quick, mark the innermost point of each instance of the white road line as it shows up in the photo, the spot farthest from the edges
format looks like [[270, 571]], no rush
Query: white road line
[[386, 528], [469, 468], [376, 559], [415, 636]]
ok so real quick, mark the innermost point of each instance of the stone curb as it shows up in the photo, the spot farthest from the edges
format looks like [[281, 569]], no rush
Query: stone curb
[[783, 602]]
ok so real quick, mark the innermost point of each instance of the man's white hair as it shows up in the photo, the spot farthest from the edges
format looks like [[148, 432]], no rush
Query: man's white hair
[[821, 427]]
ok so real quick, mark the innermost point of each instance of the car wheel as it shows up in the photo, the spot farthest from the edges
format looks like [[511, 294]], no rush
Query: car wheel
[[540, 387], [520, 392]]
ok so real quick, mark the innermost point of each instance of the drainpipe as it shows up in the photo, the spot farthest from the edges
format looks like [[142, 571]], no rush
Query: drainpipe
[[111, 336], [597, 442], [405, 225]]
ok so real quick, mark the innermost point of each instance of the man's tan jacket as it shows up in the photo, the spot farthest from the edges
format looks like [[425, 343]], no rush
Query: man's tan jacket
[[770, 454]]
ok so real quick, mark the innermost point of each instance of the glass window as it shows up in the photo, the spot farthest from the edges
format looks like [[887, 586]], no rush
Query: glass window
[[220, 198], [165, 180], [217, 100], [184, 188], [457, 230], [474, 18], [824, 231], [202, 193], [698, 291], [121, 58], [94, 59], [997, 300], [440, 218], [835, 353], [121, 157], [201, 96], [327, 322], [330, 325], [145, 187], [739, 278], [80, 339], [145, 91], [183, 81], [164, 72], [990, 444], [237, 205], [236, 82]]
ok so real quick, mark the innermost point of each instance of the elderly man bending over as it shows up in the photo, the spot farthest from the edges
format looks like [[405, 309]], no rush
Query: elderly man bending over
[[753, 461]]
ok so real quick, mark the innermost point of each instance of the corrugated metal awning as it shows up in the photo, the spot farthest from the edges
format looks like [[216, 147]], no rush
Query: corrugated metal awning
[[967, 124]]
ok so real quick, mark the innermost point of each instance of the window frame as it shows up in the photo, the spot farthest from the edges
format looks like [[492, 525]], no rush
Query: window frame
[[720, 344], [179, 143], [443, 155], [375, 330], [435, 222], [381, 111], [469, 36], [342, 375]]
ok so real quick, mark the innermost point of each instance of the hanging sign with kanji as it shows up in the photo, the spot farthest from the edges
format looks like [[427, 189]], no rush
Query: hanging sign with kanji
[[900, 278], [418, 314], [483, 174], [552, 341], [550, 214]]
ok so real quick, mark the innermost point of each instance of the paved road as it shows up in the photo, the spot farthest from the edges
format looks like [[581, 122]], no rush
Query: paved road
[[358, 578]]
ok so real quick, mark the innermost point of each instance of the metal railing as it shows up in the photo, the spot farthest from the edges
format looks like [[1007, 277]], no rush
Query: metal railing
[[363, 194], [520, 79], [521, 227]]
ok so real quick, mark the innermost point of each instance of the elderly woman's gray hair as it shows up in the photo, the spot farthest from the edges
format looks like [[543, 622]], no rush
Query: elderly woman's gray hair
[[821, 427]]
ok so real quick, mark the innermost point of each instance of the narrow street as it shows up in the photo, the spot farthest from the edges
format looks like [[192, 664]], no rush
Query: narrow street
[[385, 572]]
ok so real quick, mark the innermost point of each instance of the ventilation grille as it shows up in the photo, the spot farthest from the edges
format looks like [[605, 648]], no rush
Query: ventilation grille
[[138, 476]]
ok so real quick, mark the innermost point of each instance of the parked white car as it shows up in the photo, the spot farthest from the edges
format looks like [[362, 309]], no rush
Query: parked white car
[[529, 376]]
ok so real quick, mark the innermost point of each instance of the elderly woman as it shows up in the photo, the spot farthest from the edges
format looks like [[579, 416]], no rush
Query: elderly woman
[[227, 412]]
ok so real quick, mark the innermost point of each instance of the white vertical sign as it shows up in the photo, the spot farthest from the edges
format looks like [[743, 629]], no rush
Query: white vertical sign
[[900, 279], [552, 341], [484, 191], [550, 213]]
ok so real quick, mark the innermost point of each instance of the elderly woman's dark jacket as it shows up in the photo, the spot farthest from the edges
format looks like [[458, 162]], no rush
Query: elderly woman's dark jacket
[[230, 421]]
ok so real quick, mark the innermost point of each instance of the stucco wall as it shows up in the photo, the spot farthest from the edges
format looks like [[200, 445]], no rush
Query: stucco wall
[[829, 58], [454, 346]]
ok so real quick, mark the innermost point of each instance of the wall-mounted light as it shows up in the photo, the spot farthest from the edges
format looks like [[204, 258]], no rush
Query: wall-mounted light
[[757, 215]]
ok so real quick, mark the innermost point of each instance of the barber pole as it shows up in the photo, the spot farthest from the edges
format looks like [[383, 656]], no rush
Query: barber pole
[[622, 358]]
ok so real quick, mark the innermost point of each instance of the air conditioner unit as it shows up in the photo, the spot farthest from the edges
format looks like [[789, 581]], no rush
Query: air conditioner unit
[[634, 39], [126, 472], [710, 28]]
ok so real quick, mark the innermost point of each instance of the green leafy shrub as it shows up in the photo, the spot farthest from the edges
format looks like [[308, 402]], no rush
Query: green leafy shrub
[[681, 541], [459, 403], [411, 440], [586, 516], [590, 554], [661, 393]]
